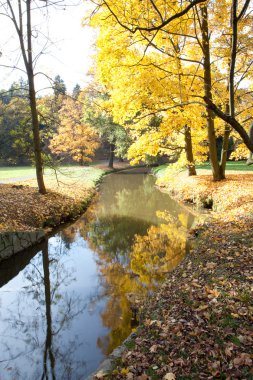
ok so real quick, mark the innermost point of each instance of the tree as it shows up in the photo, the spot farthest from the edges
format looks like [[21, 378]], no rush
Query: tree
[[185, 35], [76, 91], [98, 113], [15, 131], [74, 137], [59, 86], [20, 14]]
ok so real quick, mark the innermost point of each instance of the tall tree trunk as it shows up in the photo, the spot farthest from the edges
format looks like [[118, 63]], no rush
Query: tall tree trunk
[[208, 94], [33, 103], [25, 41], [36, 136], [111, 156], [188, 151]]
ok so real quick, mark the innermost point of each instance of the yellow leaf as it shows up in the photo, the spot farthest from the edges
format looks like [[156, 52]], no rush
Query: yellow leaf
[[169, 376]]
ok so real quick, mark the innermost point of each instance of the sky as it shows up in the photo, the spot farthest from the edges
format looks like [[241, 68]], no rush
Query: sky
[[68, 54]]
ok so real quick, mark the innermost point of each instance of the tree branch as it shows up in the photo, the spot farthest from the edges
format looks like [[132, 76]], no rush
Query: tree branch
[[231, 121], [153, 28]]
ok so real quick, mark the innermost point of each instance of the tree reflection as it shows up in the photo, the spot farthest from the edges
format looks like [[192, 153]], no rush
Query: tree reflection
[[133, 255], [29, 318], [48, 351], [161, 249]]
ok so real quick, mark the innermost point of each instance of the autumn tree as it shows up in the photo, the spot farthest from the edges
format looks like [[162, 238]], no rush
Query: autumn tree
[[137, 86], [187, 30], [74, 137], [98, 113]]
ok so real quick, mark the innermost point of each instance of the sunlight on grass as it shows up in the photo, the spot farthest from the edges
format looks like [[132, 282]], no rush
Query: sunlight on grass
[[231, 165], [159, 171], [63, 173]]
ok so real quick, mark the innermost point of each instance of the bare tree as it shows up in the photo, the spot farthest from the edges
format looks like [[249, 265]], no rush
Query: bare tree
[[20, 14]]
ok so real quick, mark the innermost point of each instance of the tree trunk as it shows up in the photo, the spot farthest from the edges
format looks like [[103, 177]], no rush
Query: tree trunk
[[36, 136], [188, 151], [208, 94], [225, 142], [250, 158], [28, 60], [230, 117], [111, 156]]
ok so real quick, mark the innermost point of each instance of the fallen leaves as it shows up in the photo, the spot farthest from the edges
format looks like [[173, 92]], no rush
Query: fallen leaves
[[23, 208], [199, 326]]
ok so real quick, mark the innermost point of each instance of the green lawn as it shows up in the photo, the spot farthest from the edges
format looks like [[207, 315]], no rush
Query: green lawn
[[231, 165], [21, 173], [16, 172], [160, 170]]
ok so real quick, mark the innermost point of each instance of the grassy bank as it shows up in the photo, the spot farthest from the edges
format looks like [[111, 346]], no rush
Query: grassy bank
[[23, 208], [235, 166], [199, 325], [231, 195]]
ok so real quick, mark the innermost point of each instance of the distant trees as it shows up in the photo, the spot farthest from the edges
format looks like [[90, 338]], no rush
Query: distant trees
[[76, 91], [59, 86], [15, 124], [98, 113], [71, 128]]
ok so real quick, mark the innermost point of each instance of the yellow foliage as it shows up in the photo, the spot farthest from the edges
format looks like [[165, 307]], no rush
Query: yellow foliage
[[73, 136], [161, 72]]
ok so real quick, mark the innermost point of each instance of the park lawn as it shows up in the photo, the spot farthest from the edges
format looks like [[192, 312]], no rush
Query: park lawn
[[160, 171], [23, 172], [7, 172], [70, 176], [231, 165], [23, 208]]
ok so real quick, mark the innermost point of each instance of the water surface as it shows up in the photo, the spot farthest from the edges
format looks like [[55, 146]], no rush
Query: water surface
[[66, 304]]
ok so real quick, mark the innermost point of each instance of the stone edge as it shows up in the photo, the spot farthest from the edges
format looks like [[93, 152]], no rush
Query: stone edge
[[15, 242], [107, 365]]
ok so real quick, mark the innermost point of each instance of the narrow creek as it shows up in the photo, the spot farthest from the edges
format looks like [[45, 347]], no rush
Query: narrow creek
[[66, 304]]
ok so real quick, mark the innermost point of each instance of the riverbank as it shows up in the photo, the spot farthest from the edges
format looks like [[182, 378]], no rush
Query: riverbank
[[22, 208], [199, 326]]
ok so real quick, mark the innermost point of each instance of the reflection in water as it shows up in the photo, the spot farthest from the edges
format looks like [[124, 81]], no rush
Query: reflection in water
[[28, 333], [137, 242], [71, 305]]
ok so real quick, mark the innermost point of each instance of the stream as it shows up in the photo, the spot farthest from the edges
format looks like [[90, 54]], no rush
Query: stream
[[68, 302]]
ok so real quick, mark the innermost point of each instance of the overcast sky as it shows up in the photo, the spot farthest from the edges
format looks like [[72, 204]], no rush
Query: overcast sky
[[69, 54]]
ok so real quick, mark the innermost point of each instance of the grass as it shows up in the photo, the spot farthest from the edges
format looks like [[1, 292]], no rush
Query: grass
[[69, 179], [231, 165], [16, 172], [159, 171], [25, 172]]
